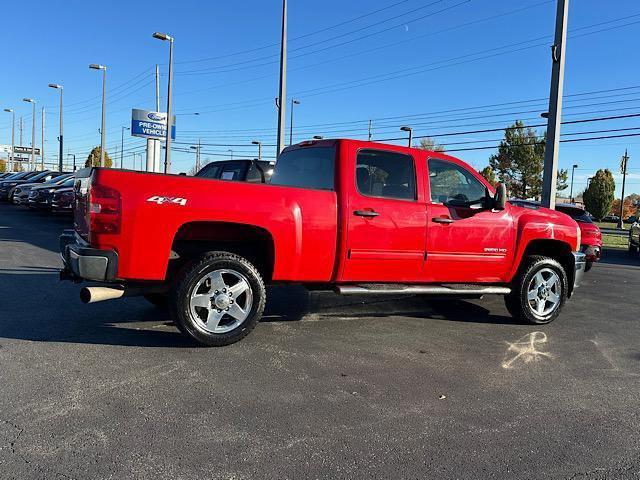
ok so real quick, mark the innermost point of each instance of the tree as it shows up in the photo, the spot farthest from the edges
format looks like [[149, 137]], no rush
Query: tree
[[599, 195], [3, 166], [93, 160], [488, 173], [430, 144], [562, 180], [630, 206], [519, 161]]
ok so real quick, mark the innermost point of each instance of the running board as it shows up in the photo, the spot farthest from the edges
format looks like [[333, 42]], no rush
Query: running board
[[394, 289]]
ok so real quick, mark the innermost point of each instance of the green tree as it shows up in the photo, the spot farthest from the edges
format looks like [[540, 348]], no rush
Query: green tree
[[562, 181], [93, 160], [599, 195], [519, 161], [488, 173], [430, 144]]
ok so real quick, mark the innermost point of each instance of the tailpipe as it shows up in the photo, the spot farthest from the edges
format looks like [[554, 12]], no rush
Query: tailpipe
[[100, 294]]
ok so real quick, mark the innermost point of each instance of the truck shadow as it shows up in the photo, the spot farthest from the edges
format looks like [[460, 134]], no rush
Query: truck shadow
[[35, 306], [619, 256], [290, 303]]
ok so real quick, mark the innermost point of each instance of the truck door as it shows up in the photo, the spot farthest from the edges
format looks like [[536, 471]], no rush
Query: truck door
[[466, 242], [385, 218]]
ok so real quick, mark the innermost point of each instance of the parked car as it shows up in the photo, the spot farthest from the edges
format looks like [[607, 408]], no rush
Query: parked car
[[20, 194], [358, 217], [40, 177], [12, 180], [254, 171], [611, 218], [62, 200], [41, 197], [591, 236], [634, 238]]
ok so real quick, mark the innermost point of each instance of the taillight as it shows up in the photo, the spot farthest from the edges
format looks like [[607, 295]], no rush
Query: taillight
[[104, 209]]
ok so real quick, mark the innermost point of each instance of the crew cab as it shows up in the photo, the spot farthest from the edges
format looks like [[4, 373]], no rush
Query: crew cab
[[353, 216]]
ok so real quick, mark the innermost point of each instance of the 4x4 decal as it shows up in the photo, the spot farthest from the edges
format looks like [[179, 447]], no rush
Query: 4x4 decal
[[162, 200]]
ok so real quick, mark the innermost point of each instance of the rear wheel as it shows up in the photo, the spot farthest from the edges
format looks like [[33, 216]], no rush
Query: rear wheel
[[218, 299], [588, 266], [538, 291]]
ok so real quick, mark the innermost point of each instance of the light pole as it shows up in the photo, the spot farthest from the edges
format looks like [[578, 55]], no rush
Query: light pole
[[13, 137], [122, 144], [74, 160], [573, 169], [167, 152], [60, 138], [259, 144], [410, 130], [231, 152], [293, 102], [197, 149], [33, 131], [104, 90]]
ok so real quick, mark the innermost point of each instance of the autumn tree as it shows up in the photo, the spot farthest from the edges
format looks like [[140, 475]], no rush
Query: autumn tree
[[599, 195], [93, 160], [430, 144], [488, 173], [630, 206]]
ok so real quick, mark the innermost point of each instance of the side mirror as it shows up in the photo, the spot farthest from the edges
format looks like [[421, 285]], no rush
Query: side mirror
[[500, 198]]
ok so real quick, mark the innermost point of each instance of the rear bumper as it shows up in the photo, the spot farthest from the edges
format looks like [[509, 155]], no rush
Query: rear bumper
[[580, 260], [81, 262]]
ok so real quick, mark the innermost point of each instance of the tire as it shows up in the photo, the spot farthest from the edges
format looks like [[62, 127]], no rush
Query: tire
[[632, 248], [551, 295], [211, 286], [588, 266], [159, 300]]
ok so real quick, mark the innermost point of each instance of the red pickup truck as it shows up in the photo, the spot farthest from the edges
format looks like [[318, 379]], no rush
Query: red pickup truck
[[356, 217]]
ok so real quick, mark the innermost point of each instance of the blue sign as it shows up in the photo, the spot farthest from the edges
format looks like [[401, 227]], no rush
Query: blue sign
[[147, 124]]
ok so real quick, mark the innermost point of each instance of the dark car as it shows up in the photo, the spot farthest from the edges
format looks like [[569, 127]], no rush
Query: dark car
[[41, 197], [12, 180], [6, 192], [62, 200], [255, 171], [20, 194]]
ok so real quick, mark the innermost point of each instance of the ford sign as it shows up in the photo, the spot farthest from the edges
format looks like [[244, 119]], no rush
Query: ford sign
[[156, 117]]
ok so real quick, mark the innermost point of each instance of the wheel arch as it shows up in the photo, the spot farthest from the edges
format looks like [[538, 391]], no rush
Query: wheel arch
[[252, 242], [558, 250]]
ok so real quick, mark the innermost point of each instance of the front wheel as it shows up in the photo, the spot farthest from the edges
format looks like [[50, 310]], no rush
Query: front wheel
[[218, 299], [538, 291]]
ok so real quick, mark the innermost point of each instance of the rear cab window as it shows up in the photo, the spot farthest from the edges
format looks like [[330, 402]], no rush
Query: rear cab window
[[386, 174], [306, 167]]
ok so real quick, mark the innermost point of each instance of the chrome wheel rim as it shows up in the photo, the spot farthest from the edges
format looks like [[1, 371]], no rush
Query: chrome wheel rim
[[220, 301], [544, 292]]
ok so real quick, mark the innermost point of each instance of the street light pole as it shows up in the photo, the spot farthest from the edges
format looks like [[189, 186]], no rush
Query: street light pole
[[282, 93], [259, 144], [410, 130], [167, 152], [122, 144], [33, 131], [60, 138], [12, 157], [623, 165], [74, 160], [293, 102], [42, 146], [104, 92], [558, 51], [231, 152], [573, 169]]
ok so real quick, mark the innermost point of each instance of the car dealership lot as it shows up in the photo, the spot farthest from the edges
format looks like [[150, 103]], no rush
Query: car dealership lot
[[325, 387]]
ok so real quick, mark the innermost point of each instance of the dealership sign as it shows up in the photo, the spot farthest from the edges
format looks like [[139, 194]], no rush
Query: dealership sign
[[147, 124], [18, 150]]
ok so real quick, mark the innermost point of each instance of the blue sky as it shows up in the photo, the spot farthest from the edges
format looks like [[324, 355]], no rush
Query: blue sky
[[397, 62]]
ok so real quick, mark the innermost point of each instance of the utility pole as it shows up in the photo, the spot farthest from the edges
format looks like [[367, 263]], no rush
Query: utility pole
[[369, 130], [623, 167], [558, 50], [21, 130], [282, 94], [42, 149]]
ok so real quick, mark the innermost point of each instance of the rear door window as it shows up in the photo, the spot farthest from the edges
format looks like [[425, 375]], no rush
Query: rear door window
[[307, 167], [386, 174]]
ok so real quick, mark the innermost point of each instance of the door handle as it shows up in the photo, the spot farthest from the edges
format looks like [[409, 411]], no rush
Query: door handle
[[366, 213], [445, 220]]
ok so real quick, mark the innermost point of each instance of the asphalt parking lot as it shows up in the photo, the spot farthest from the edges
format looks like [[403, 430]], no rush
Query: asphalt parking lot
[[324, 387]]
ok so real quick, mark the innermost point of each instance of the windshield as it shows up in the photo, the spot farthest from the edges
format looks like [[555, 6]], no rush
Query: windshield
[[307, 167], [578, 214]]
